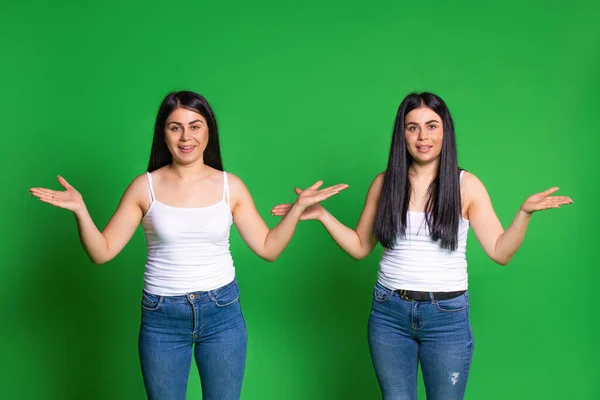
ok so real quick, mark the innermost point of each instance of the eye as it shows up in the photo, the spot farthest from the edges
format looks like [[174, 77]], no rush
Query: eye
[[432, 127], [412, 128], [195, 127], [174, 128]]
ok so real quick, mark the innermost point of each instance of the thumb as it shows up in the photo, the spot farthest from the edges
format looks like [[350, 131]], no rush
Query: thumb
[[548, 192], [63, 182], [316, 185], [298, 191]]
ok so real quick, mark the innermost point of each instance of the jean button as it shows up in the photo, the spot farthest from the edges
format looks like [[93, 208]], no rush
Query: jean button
[[191, 297]]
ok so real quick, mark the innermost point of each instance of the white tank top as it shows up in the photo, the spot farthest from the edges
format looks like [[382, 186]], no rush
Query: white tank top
[[416, 262], [188, 248]]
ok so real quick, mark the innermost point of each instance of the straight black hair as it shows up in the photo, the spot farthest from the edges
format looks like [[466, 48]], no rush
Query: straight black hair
[[160, 154], [443, 203]]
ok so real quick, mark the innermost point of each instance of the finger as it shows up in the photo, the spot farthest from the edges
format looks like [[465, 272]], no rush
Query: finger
[[298, 191], [325, 195], [335, 189], [551, 202], [316, 185], [42, 191], [282, 206], [341, 186], [280, 210], [561, 199], [548, 192], [63, 182], [561, 203], [283, 209], [338, 186]]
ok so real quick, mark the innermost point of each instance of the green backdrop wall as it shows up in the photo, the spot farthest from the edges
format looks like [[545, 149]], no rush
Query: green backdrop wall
[[302, 91]]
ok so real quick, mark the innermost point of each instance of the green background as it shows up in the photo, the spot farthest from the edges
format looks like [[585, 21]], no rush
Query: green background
[[302, 91]]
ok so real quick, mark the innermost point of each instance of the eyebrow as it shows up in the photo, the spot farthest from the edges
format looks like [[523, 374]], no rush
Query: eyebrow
[[428, 122], [180, 124]]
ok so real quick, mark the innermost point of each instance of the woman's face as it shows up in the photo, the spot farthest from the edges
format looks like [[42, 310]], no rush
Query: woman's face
[[186, 134], [424, 134]]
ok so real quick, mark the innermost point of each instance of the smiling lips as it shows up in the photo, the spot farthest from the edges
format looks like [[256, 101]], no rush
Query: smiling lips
[[186, 149], [423, 148]]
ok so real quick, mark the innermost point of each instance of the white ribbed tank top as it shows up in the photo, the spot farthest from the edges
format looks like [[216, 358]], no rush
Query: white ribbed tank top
[[416, 262], [188, 248]]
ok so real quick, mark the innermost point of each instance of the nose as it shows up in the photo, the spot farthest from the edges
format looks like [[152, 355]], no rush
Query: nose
[[184, 134], [423, 134]]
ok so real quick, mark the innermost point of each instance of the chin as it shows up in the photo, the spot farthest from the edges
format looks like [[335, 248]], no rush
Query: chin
[[425, 160]]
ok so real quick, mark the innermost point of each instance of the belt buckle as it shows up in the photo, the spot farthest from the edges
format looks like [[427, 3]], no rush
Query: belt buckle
[[403, 294]]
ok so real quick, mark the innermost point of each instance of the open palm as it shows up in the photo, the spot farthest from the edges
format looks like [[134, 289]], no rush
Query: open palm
[[314, 211], [313, 195], [69, 199], [543, 201]]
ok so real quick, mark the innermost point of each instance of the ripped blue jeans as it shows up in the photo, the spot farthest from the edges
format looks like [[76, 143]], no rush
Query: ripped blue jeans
[[435, 333]]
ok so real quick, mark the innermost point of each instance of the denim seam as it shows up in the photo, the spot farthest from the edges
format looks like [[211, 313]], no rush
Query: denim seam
[[456, 310], [158, 303], [213, 296], [202, 318], [437, 305], [389, 294]]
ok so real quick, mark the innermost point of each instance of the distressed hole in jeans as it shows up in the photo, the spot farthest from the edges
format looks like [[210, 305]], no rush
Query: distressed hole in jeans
[[454, 377]]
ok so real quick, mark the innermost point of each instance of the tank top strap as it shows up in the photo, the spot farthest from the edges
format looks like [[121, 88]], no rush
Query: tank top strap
[[150, 187], [225, 188], [462, 172]]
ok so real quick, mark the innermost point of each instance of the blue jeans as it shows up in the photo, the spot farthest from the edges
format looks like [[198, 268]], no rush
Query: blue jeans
[[436, 333], [209, 324]]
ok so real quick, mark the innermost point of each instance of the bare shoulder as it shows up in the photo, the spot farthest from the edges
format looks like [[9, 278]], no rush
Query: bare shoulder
[[239, 193], [471, 182], [377, 183], [233, 179], [138, 192], [139, 184], [235, 182], [375, 189], [378, 180], [472, 188]]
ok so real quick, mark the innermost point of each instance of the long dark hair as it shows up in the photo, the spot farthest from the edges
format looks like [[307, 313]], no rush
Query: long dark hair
[[160, 154], [443, 204]]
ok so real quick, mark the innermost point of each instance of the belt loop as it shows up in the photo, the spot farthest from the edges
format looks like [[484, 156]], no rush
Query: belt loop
[[431, 297]]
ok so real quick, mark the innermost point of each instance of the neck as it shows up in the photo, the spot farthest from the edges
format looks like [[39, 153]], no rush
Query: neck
[[190, 171], [424, 171]]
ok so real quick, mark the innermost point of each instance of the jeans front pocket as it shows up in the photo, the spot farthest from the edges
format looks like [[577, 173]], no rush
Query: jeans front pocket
[[381, 293], [226, 296], [151, 302], [458, 303]]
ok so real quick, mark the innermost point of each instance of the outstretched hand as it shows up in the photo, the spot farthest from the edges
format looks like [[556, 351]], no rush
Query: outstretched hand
[[69, 199], [543, 201], [310, 199], [313, 195]]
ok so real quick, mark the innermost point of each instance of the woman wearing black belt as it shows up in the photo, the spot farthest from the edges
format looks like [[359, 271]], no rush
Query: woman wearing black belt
[[420, 209]]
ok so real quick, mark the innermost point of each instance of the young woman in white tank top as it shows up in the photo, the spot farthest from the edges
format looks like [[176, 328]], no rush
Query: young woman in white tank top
[[186, 204], [420, 209]]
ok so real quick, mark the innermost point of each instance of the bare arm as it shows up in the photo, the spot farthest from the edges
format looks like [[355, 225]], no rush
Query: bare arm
[[100, 246], [498, 244], [268, 244], [359, 242]]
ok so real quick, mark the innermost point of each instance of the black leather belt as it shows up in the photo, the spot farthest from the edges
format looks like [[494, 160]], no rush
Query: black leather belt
[[424, 296]]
